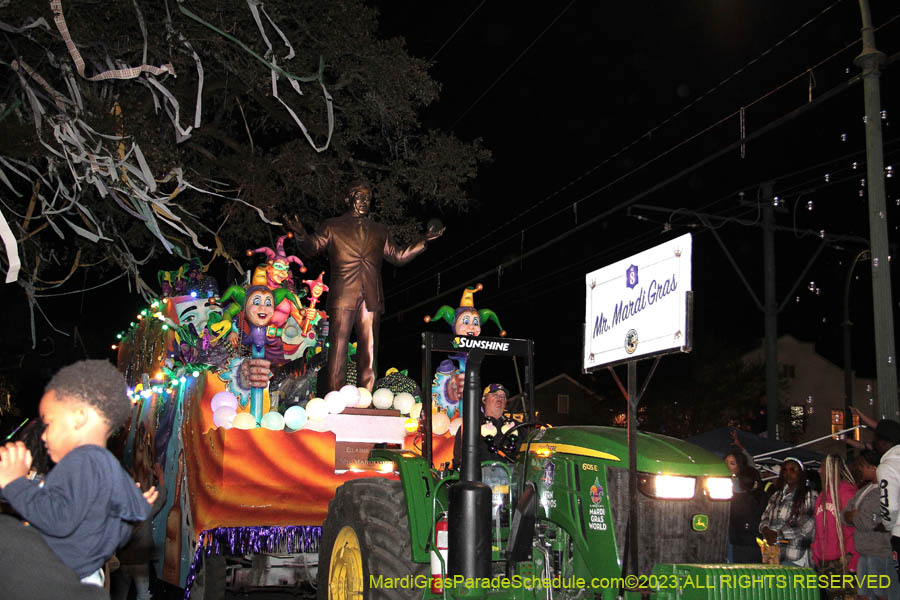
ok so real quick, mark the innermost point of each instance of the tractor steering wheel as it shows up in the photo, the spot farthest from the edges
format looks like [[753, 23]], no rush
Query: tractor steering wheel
[[500, 441]]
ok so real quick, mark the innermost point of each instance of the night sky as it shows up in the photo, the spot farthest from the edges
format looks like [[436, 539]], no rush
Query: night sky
[[591, 109]]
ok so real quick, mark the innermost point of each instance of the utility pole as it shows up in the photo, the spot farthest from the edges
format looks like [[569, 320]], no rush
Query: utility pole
[[770, 310], [870, 61]]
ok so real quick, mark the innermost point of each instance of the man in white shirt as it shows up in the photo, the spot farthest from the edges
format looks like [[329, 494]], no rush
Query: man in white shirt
[[887, 443]]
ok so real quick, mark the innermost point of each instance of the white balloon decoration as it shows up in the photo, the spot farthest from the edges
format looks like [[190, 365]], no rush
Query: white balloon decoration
[[415, 410], [351, 395], [383, 398], [244, 420], [295, 417], [316, 410], [365, 398], [273, 420], [404, 402], [223, 399], [224, 416], [335, 401], [440, 423]]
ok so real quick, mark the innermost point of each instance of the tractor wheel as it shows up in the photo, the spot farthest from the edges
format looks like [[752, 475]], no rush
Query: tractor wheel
[[366, 534]]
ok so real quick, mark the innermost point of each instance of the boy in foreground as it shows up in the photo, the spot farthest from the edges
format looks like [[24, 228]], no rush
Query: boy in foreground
[[88, 504]]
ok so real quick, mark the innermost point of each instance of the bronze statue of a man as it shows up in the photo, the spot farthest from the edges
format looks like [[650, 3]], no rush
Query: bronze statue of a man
[[356, 246]]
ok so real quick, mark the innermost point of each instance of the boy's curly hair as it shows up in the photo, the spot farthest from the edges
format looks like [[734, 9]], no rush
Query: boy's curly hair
[[96, 383]]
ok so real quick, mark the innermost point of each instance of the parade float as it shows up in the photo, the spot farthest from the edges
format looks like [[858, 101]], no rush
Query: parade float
[[270, 484], [249, 471]]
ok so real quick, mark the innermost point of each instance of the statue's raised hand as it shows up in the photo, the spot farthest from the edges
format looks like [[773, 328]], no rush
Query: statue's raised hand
[[434, 230], [294, 225]]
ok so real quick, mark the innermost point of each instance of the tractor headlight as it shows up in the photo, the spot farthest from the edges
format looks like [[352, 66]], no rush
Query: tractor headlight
[[667, 487], [719, 488]]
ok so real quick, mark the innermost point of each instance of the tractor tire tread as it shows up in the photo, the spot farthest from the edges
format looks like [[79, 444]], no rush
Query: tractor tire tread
[[376, 510]]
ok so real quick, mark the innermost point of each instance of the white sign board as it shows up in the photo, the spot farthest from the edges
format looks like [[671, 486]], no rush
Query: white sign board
[[639, 306]]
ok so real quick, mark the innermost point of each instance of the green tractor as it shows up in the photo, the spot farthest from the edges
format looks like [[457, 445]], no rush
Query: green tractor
[[552, 524]]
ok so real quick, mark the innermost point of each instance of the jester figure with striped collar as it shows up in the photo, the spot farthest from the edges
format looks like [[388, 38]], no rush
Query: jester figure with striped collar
[[447, 386]]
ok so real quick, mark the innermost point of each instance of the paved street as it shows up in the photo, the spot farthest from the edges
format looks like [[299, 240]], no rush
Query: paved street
[[305, 592]]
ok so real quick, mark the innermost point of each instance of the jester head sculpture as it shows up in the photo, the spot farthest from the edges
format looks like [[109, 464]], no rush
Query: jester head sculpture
[[465, 319], [278, 265]]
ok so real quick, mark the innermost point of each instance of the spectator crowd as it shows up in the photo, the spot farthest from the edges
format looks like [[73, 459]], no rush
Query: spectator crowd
[[839, 519]]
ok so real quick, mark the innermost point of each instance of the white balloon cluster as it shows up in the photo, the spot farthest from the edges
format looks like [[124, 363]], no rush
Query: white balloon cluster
[[336, 401], [226, 415], [225, 405], [404, 402]]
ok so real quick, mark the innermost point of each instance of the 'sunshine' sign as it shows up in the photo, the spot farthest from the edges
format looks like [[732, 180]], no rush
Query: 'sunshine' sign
[[639, 306]]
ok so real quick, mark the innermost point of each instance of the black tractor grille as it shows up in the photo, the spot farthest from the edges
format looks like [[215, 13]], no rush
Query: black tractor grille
[[665, 527]]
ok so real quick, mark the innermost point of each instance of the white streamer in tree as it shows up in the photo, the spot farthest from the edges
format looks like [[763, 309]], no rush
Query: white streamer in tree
[[12, 250]]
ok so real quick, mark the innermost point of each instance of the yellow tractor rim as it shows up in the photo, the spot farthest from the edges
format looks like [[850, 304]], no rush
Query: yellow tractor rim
[[345, 572]]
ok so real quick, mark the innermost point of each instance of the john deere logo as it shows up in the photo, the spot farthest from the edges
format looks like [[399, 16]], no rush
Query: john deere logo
[[700, 522]]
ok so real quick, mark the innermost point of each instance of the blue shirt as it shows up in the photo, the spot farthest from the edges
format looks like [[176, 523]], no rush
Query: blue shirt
[[86, 508]]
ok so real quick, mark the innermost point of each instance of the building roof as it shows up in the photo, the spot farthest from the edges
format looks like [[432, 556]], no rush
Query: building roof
[[564, 377]]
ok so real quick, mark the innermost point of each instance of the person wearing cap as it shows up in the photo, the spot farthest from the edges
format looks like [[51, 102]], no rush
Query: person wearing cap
[[789, 518], [887, 442], [494, 426]]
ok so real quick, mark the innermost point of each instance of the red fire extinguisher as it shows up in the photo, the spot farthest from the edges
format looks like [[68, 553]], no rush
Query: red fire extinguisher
[[441, 536]]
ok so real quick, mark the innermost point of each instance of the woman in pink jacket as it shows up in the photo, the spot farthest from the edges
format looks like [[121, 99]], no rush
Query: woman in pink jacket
[[833, 550]]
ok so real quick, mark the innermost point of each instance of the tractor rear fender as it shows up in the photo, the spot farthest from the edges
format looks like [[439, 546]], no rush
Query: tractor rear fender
[[425, 497]]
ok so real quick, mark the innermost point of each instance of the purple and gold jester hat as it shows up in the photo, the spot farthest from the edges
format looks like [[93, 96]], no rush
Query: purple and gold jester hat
[[278, 265], [465, 319]]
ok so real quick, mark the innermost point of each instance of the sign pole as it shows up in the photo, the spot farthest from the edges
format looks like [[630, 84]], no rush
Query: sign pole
[[633, 400]]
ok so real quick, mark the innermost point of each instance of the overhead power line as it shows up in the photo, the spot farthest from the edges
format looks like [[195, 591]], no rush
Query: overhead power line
[[520, 214], [505, 71], [652, 189], [453, 35]]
